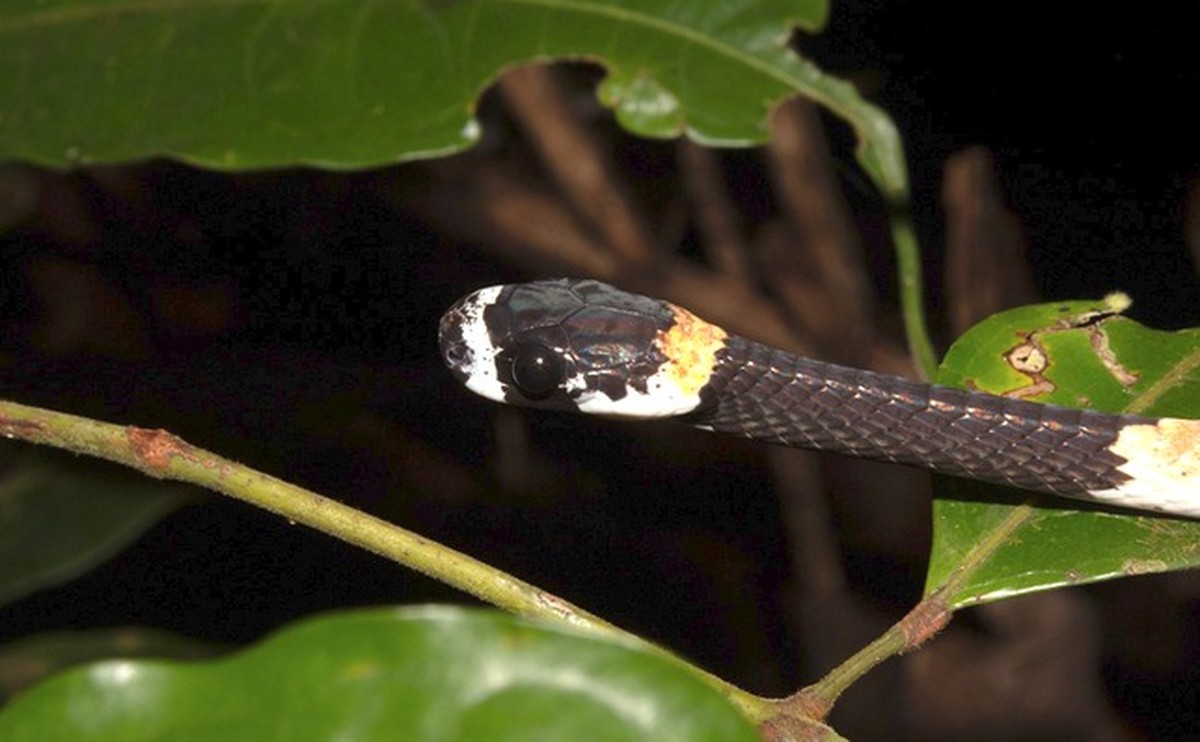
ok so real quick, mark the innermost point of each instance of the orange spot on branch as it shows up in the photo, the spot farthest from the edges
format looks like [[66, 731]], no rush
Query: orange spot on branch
[[154, 448], [28, 430]]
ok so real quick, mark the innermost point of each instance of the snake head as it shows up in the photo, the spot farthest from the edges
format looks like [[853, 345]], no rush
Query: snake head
[[577, 345]]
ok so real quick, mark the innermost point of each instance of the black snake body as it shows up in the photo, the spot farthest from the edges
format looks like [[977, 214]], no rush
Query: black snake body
[[767, 394], [586, 346]]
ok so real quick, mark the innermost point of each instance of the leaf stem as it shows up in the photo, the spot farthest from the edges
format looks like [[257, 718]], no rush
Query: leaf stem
[[912, 293], [162, 455], [926, 619]]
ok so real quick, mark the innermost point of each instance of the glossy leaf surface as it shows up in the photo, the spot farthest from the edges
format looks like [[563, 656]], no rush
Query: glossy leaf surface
[[433, 675], [30, 660], [350, 84]]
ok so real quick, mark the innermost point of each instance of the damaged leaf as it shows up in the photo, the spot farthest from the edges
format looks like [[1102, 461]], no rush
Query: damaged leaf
[[351, 85], [1078, 354]]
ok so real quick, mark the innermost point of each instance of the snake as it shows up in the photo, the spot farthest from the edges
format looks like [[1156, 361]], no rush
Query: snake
[[581, 345]]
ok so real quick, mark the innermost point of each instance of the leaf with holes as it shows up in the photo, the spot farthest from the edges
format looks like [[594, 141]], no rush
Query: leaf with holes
[[1081, 354], [432, 675], [263, 84]]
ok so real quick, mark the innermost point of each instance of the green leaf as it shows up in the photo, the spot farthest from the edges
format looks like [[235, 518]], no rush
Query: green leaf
[[30, 660], [60, 516], [1081, 354], [355, 84], [432, 675]]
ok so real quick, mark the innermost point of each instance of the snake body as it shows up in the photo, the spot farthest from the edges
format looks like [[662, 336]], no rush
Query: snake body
[[582, 345]]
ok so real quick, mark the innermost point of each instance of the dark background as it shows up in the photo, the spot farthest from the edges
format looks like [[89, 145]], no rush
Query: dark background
[[288, 320], [1085, 112]]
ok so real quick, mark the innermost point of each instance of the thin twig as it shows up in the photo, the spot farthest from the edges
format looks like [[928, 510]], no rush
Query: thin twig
[[912, 293], [162, 455], [920, 624]]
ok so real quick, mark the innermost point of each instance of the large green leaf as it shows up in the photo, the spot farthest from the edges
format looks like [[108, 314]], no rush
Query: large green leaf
[[60, 517], [260, 83], [30, 660], [432, 675], [1081, 354]]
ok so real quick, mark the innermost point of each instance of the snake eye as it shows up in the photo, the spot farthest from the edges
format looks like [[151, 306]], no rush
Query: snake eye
[[537, 371]]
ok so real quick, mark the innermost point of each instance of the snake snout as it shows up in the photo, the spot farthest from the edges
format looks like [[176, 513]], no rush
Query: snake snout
[[455, 352]]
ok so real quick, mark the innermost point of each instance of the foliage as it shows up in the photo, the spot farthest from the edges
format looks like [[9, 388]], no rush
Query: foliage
[[353, 85], [1086, 354], [439, 674]]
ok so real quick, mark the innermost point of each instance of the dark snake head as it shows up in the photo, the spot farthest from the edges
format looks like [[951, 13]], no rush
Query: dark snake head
[[569, 345]]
